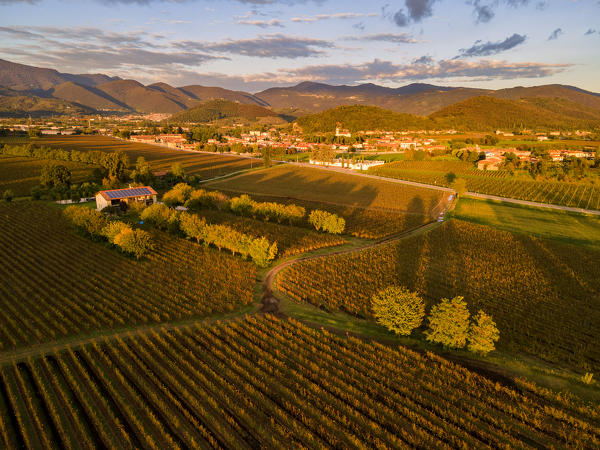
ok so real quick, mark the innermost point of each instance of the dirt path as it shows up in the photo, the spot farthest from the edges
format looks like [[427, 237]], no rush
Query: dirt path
[[270, 303]]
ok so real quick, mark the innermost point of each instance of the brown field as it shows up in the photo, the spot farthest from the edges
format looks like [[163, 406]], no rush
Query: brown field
[[161, 158], [305, 183], [20, 174]]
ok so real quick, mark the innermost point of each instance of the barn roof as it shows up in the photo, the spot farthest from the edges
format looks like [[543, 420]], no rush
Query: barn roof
[[116, 194]]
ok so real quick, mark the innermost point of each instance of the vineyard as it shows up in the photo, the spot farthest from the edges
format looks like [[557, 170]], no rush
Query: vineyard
[[371, 208], [160, 158], [290, 240], [499, 183], [256, 383], [543, 294], [20, 174], [56, 283]]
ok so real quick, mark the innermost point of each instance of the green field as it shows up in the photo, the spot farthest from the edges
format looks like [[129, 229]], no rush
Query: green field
[[545, 223], [20, 174]]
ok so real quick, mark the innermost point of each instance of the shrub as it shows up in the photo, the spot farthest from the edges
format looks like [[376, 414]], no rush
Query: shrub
[[331, 223], [449, 323], [8, 195], [483, 334], [398, 309]]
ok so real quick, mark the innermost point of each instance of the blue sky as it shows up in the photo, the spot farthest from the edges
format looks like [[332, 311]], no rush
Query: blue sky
[[254, 44]]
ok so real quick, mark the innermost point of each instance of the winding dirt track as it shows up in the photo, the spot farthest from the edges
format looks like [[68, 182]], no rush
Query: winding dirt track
[[270, 303]]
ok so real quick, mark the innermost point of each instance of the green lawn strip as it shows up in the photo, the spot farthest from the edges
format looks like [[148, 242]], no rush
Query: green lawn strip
[[566, 226]]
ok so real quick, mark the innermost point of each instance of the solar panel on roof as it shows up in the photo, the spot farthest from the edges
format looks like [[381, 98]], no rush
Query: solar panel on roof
[[133, 192]]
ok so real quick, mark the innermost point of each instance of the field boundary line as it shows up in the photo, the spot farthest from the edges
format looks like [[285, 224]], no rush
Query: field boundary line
[[534, 204]]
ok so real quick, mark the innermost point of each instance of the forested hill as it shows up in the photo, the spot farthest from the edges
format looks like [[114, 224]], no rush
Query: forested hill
[[477, 113], [360, 117], [221, 109], [480, 113]]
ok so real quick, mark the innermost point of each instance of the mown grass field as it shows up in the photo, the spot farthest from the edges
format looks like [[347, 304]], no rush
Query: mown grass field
[[550, 224], [271, 383], [56, 283], [160, 158], [543, 294], [20, 174], [578, 194], [372, 208]]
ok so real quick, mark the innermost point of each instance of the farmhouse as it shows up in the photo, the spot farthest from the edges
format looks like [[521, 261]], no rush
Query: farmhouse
[[123, 197]]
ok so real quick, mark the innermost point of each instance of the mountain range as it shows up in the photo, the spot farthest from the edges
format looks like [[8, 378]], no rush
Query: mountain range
[[39, 91]]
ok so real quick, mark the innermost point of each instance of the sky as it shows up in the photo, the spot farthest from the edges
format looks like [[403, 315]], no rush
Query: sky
[[252, 45]]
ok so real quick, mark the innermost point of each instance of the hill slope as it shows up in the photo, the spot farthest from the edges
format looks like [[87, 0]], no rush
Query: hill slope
[[88, 96], [21, 77], [29, 105], [222, 109], [360, 117], [484, 112]]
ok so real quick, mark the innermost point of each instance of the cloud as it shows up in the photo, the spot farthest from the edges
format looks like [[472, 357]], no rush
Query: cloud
[[425, 59], [318, 17], [491, 48], [589, 31], [422, 69], [396, 38], [555, 34], [269, 46], [416, 11], [262, 23], [483, 12]]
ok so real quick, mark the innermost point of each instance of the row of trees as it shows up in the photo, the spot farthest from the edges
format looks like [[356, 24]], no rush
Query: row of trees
[[114, 163], [325, 221], [401, 311], [129, 240], [243, 205], [260, 250]]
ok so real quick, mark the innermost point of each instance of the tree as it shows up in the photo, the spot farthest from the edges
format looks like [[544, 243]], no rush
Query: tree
[[143, 172], [398, 309], [136, 242], [322, 220], [449, 323], [241, 205], [8, 195], [193, 226], [157, 214], [483, 334], [55, 175], [88, 220], [266, 156], [113, 229], [178, 171], [459, 185], [178, 195]]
